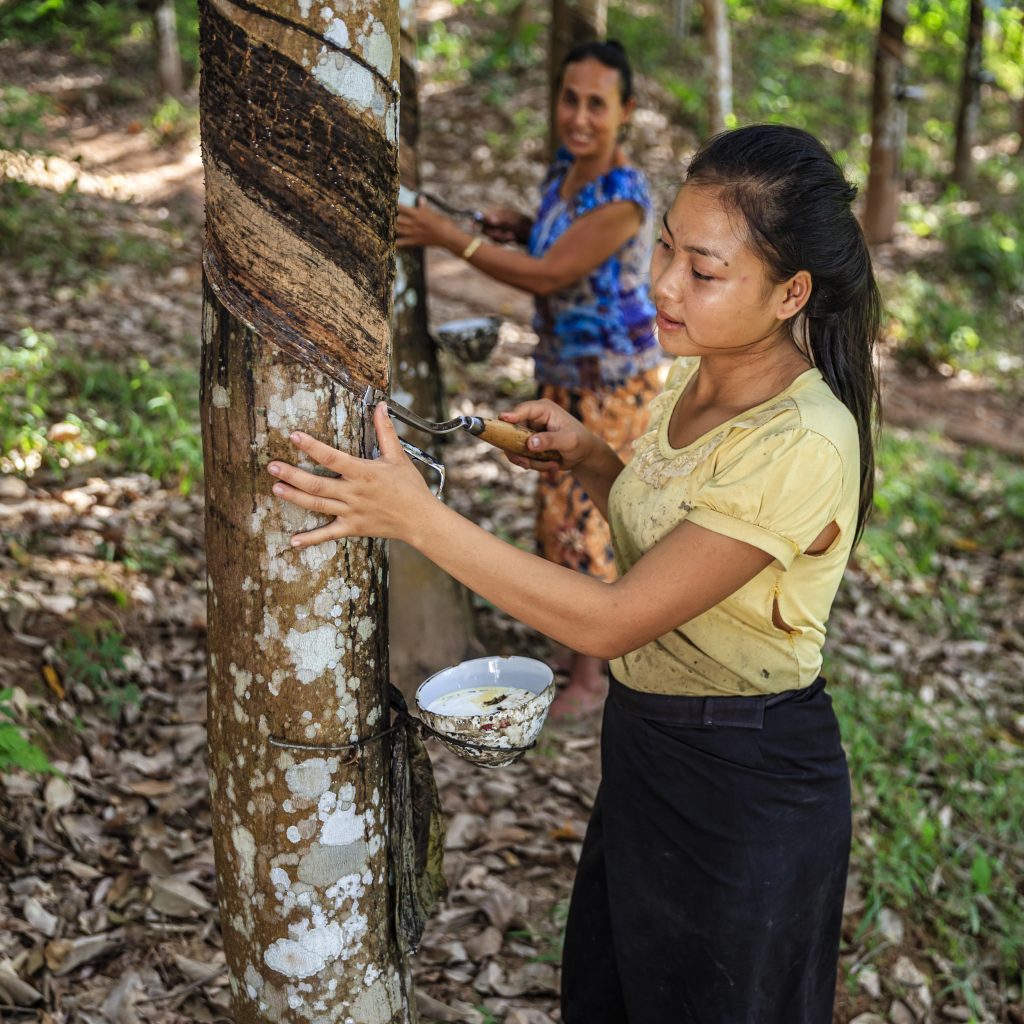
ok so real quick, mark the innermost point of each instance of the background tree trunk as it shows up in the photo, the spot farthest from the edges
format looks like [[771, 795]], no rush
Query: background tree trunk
[[572, 22], [430, 615], [169, 71], [680, 23], [888, 126], [299, 126], [719, 64], [970, 94]]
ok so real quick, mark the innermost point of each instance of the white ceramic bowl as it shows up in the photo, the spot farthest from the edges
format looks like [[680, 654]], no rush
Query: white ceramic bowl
[[497, 735]]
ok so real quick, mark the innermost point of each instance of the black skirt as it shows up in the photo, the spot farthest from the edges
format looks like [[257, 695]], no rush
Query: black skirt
[[710, 886]]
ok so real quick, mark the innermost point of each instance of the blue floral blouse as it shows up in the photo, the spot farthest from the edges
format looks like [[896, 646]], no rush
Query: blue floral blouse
[[609, 313]]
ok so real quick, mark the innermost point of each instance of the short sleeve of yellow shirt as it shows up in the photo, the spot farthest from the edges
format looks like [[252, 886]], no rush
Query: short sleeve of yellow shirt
[[773, 477]]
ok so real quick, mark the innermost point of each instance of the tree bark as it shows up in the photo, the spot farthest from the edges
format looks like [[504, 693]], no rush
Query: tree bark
[[299, 128], [970, 94], [680, 23], [572, 22], [719, 64], [429, 612], [169, 71], [888, 126]]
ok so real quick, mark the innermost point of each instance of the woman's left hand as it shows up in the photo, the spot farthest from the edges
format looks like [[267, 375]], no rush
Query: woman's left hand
[[383, 497], [421, 226]]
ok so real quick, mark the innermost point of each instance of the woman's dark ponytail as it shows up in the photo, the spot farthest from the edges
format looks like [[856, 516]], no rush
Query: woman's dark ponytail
[[798, 208]]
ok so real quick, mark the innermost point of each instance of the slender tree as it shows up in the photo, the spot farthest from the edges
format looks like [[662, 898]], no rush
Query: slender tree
[[719, 64], [680, 23], [429, 611], [970, 93], [888, 126], [572, 22], [299, 130], [170, 75]]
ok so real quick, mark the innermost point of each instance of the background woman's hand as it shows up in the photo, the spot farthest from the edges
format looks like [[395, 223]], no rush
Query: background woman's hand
[[557, 431], [502, 224], [383, 497], [421, 225]]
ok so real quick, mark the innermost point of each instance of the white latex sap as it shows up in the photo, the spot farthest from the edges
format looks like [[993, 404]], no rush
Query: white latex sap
[[480, 700]]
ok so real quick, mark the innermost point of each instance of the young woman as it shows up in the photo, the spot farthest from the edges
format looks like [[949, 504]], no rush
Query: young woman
[[588, 253], [710, 888]]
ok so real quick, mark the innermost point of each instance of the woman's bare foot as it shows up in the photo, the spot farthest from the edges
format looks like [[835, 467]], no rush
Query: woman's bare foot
[[586, 690]]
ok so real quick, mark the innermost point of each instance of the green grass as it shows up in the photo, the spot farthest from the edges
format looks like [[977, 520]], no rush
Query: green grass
[[100, 30], [94, 656], [935, 508], [939, 796], [938, 778], [74, 239], [17, 750], [60, 409]]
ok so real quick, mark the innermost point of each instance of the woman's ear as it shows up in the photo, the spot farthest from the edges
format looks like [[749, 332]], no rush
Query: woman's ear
[[796, 293], [627, 109]]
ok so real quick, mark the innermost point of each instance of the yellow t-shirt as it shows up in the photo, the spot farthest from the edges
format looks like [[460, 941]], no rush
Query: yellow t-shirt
[[775, 477]]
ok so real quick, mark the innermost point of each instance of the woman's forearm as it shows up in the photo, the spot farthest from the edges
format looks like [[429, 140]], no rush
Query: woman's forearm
[[533, 274], [570, 607]]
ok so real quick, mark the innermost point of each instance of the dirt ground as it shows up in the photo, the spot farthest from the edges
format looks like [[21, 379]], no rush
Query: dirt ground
[[108, 905]]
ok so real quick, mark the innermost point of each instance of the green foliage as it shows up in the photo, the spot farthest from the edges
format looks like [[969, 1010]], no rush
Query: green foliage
[[173, 120], [98, 29], [95, 657], [68, 238], [21, 115], [942, 794], [129, 414], [930, 509], [16, 749]]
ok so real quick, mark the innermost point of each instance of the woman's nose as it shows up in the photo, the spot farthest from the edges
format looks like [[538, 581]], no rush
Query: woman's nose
[[668, 284]]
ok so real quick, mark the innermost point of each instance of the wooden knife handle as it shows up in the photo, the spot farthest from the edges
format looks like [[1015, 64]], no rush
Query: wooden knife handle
[[512, 438]]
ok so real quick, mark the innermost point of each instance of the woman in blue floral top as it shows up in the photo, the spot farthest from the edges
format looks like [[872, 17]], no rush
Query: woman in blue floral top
[[587, 259]]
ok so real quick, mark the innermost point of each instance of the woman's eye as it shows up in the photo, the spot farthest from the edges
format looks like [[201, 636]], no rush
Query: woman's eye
[[664, 245], [700, 277]]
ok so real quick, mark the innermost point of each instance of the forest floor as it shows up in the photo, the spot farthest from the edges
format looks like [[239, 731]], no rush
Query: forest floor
[[107, 899]]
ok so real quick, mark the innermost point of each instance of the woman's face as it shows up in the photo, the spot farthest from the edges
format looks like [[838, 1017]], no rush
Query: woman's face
[[590, 111], [711, 290]]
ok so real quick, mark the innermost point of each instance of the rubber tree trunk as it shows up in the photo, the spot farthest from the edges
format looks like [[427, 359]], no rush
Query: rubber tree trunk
[[680, 23], [888, 126], [299, 130], [168, 51], [970, 94], [430, 614], [572, 22], [719, 64]]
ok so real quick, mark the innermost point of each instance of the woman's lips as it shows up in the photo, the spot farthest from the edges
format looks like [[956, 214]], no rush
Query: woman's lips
[[667, 323]]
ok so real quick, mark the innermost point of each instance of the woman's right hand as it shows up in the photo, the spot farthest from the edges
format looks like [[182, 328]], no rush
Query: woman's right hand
[[502, 224], [556, 431]]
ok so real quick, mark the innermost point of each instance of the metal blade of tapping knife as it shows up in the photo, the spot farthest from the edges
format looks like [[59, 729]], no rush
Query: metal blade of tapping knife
[[374, 395]]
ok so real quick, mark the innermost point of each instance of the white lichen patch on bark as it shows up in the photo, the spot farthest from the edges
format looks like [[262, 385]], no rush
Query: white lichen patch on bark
[[242, 678], [287, 407], [220, 397], [342, 824], [313, 652], [337, 32], [311, 778], [375, 43], [245, 846]]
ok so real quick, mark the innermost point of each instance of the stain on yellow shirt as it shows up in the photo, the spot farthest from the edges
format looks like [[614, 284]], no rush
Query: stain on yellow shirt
[[775, 476]]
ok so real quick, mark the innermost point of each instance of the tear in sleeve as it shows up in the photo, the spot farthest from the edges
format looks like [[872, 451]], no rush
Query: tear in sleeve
[[776, 492]]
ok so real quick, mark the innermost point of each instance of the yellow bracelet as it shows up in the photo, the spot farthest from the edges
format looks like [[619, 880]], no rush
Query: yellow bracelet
[[472, 248]]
